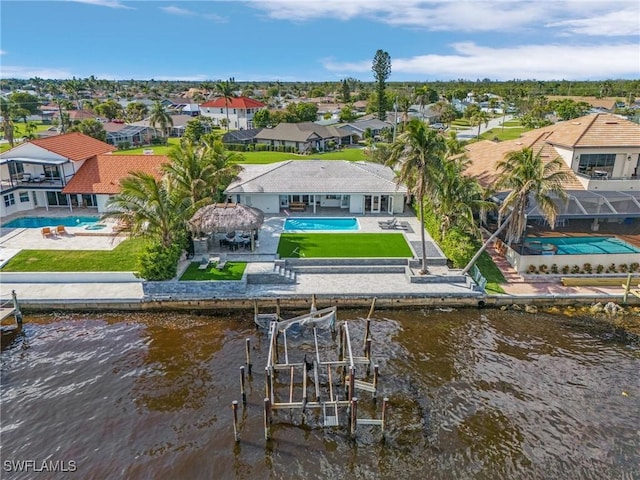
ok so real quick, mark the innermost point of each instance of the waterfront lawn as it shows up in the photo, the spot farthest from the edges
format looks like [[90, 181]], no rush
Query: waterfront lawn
[[231, 271], [157, 149], [503, 134], [491, 272], [343, 245], [123, 258]]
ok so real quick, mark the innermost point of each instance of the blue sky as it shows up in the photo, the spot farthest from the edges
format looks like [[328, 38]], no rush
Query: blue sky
[[309, 40]]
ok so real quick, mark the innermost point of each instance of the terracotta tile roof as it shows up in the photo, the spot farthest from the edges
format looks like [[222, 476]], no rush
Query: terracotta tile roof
[[75, 146], [596, 130], [485, 155], [102, 174], [235, 102]]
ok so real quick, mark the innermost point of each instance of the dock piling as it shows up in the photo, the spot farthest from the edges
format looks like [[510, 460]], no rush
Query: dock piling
[[267, 419], [354, 416], [242, 390], [385, 401], [234, 407], [248, 354], [16, 308]]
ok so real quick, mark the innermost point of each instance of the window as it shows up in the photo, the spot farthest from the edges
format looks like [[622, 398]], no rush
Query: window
[[57, 199], [16, 170], [89, 200], [9, 200], [221, 110], [597, 164], [234, 111], [24, 197]]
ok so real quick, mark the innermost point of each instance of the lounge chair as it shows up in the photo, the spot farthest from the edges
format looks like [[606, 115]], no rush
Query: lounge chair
[[47, 232], [60, 230], [222, 263], [389, 225], [204, 263]]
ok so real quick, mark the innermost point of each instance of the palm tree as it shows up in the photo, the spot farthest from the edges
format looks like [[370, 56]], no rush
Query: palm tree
[[150, 207], [527, 177], [225, 89], [7, 123], [417, 153], [160, 117], [456, 197], [478, 119], [199, 172]]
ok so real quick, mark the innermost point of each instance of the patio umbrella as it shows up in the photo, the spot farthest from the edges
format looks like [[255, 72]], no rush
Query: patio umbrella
[[224, 218]]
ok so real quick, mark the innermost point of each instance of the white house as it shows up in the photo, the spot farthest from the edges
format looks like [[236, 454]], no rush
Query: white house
[[240, 111], [316, 186], [35, 172]]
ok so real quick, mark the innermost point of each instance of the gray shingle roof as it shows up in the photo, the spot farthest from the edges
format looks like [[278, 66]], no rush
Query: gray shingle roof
[[316, 176], [297, 132]]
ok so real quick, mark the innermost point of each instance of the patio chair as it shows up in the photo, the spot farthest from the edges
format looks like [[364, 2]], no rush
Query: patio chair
[[60, 230], [388, 224], [39, 179], [204, 263], [47, 232], [26, 177], [222, 263]]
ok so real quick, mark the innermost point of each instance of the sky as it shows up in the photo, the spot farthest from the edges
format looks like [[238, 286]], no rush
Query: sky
[[327, 40]]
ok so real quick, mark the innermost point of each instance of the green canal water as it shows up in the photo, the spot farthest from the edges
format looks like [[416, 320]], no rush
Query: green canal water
[[473, 394]]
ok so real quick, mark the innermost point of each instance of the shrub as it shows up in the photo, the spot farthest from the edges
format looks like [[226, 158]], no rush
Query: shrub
[[158, 262], [124, 145], [575, 269], [634, 267], [158, 141], [611, 268], [543, 268], [565, 269], [458, 248], [554, 268], [600, 268], [532, 269], [587, 268], [622, 268]]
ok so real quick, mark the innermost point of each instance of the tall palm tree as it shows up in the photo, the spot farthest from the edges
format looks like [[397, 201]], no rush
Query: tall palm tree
[[225, 89], [150, 207], [417, 154], [7, 122], [527, 177], [160, 118]]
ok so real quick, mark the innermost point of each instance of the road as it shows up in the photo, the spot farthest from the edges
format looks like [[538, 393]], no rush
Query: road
[[472, 132]]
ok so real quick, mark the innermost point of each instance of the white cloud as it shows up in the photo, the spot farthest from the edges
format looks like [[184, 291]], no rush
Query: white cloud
[[105, 3], [584, 17], [621, 22], [541, 62], [2, 52], [183, 12], [11, 71]]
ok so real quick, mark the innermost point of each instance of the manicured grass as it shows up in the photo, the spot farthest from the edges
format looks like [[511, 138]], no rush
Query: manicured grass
[[461, 122], [231, 271], [350, 154], [341, 245], [506, 134], [123, 258], [512, 123], [491, 272], [19, 132], [157, 149]]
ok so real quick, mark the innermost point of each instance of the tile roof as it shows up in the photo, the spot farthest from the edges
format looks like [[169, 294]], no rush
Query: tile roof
[[316, 176], [596, 130], [75, 146], [102, 174], [235, 102]]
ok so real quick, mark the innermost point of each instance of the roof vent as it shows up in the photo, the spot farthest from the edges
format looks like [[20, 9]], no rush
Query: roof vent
[[611, 123], [576, 123]]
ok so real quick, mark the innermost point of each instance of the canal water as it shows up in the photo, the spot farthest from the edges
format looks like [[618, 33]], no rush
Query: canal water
[[473, 394]]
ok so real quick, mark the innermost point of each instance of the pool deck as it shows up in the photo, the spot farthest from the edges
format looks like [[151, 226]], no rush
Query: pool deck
[[47, 293]]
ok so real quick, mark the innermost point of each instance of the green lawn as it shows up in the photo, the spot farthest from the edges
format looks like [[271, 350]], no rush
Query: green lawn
[[123, 258], [504, 134], [491, 272], [350, 154], [231, 271], [19, 132], [512, 123], [157, 149], [341, 245]]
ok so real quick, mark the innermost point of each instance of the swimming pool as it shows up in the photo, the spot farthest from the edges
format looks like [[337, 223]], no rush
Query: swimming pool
[[322, 223], [580, 245], [38, 222]]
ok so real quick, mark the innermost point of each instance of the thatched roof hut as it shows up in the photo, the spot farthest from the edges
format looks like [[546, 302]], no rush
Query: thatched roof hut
[[225, 217]]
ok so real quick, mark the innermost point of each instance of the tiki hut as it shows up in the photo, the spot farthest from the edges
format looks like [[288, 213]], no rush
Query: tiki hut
[[226, 218]]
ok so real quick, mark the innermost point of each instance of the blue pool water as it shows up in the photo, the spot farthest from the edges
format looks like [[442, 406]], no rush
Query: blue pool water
[[581, 245], [38, 222], [320, 223]]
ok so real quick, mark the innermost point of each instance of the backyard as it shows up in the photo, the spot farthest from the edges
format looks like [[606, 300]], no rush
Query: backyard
[[231, 271], [343, 245]]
